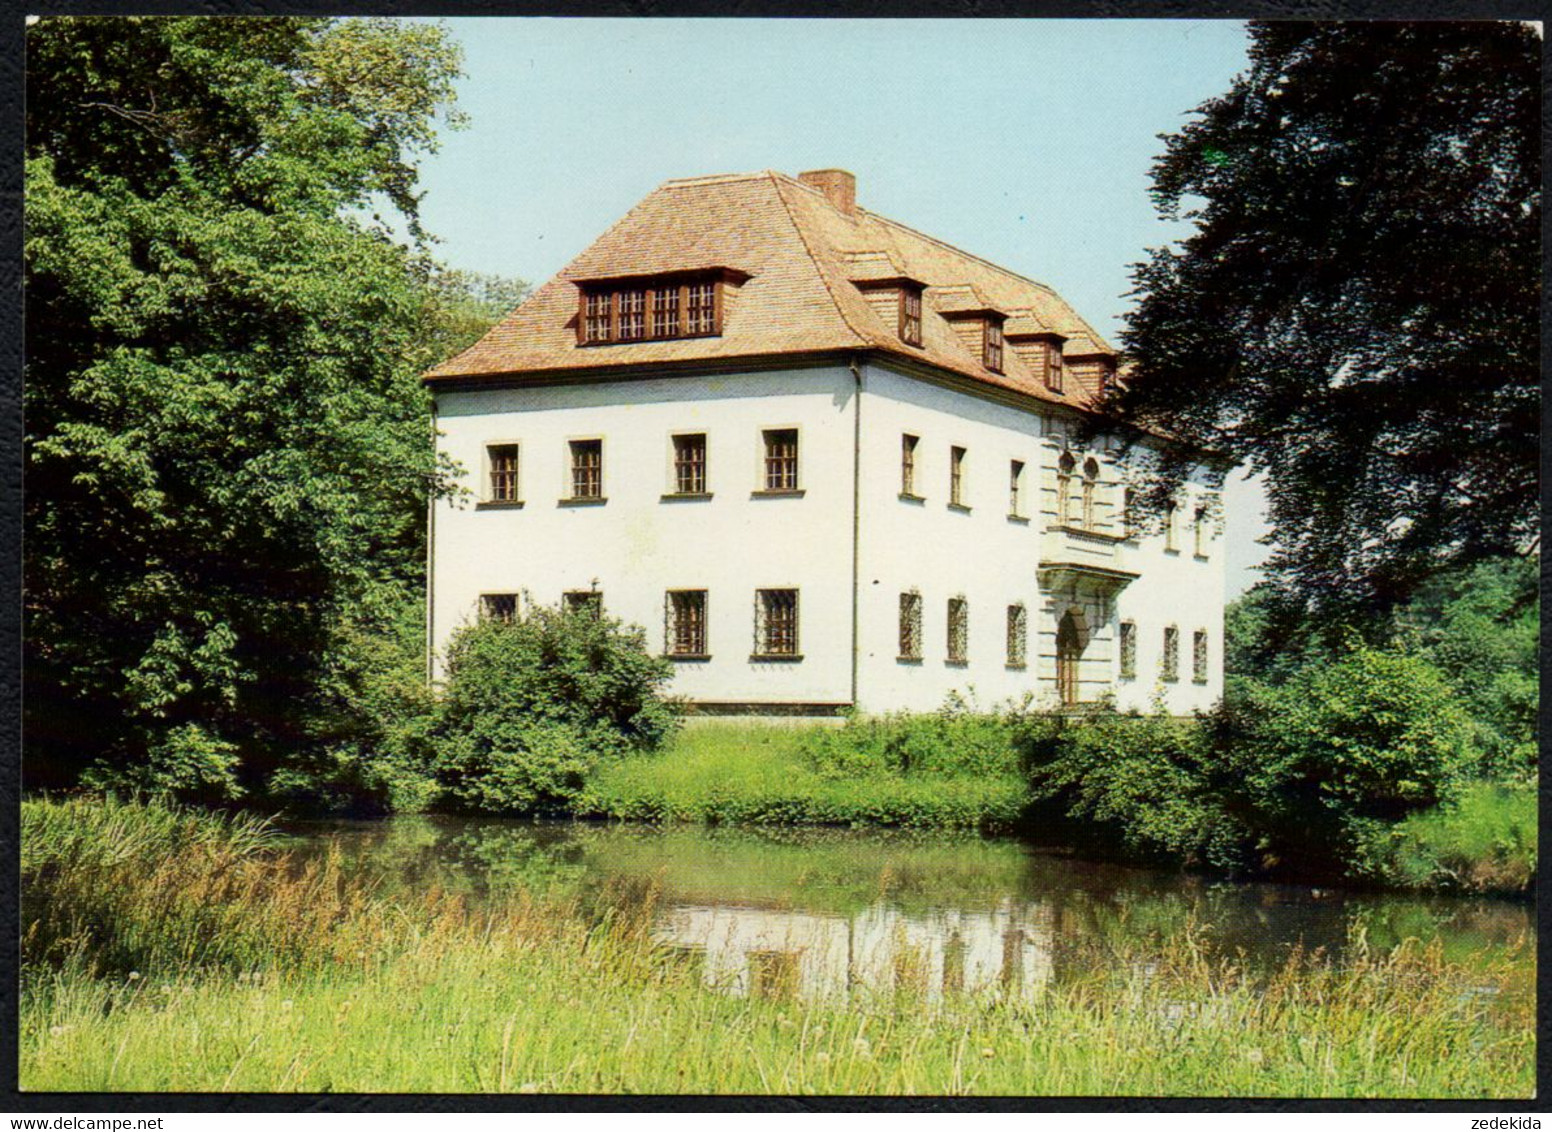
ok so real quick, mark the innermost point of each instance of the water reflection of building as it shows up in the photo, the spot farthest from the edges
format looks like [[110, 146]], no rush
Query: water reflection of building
[[814, 955]]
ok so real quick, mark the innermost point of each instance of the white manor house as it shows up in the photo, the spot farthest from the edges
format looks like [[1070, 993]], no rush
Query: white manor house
[[827, 461]]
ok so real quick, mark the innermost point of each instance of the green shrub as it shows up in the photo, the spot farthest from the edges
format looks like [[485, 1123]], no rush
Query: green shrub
[[531, 706], [955, 740], [186, 762], [1483, 841]]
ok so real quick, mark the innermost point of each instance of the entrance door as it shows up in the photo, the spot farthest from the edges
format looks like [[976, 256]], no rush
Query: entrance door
[[1068, 649]]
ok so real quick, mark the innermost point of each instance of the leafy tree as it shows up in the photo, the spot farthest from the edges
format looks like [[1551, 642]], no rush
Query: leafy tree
[[1356, 313], [227, 449]]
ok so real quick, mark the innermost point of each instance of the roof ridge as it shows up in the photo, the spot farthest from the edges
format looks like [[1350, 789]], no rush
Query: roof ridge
[[961, 251], [840, 308], [712, 179]]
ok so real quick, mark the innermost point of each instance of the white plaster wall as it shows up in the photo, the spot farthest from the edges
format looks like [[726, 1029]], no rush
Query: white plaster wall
[[637, 545]]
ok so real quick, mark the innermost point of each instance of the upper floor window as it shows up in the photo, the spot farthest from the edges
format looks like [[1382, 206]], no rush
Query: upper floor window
[[908, 463], [910, 626], [1129, 513], [498, 607], [991, 344], [1018, 635], [1199, 656], [1199, 532], [1090, 479], [685, 622], [1170, 665], [776, 623], [958, 630], [587, 469], [781, 459], [1053, 366], [1128, 650], [502, 462], [1016, 489], [690, 463], [639, 311], [911, 316], [1066, 465], [1171, 534], [956, 476]]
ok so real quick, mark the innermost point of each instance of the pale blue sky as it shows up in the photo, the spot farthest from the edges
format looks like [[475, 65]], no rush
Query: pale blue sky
[[1025, 141]]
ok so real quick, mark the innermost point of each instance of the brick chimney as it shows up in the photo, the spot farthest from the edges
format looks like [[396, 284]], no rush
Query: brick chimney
[[838, 186]]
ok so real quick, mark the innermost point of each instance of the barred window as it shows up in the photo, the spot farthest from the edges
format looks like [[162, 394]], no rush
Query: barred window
[[956, 476], [1090, 478], [991, 344], [685, 623], [690, 463], [910, 626], [1199, 532], [498, 607], [1016, 488], [665, 312], [908, 463], [1170, 667], [701, 315], [583, 601], [1064, 469], [596, 320], [776, 623], [781, 459], [958, 630], [911, 316], [1018, 635], [1128, 650], [1199, 656], [502, 461], [587, 469]]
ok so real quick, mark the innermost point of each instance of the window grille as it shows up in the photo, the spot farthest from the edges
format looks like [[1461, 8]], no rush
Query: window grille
[[908, 463], [498, 607], [665, 312], [1015, 487], [1171, 663], [690, 464], [587, 469], [1128, 650], [1053, 367], [781, 459], [598, 326], [633, 315], [910, 626], [502, 459], [1017, 635], [958, 630], [911, 316], [776, 622], [701, 316], [956, 476], [1199, 656], [686, 623], [583, 601], [991, 345]]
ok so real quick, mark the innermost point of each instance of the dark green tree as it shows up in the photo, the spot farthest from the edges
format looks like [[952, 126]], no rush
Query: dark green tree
[[1356, 313], [228, 454]]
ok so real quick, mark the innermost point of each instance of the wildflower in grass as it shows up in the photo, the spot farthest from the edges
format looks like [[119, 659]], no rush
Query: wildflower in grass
[[987, 1051], [528, 1087], [1254, 1056], [133, 975], [822, 1058], [56, 1030], [863, 1048], [286, 1005]]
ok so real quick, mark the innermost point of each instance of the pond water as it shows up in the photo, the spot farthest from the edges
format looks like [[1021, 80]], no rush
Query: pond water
[[818, 913]]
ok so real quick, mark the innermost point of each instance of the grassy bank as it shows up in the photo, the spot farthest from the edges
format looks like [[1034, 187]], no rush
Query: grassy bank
[[768, 774], [154, 964]]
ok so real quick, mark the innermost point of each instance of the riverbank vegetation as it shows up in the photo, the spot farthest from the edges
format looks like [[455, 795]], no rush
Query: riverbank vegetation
[[168, 950]]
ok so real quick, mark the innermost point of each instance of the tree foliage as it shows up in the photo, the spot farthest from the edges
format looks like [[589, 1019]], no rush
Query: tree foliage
[[228, 454], [1356, 313]]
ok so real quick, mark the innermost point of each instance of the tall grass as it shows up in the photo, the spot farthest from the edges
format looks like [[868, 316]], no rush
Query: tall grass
[[369, 994], [770, 774], [1484, 841]]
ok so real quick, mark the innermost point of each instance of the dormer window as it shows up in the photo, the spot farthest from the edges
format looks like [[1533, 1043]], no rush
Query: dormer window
[[911, 316], [991, 344], [648, 309], [1053, 366]]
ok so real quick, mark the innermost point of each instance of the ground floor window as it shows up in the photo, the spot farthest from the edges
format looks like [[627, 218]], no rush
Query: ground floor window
[[583, 601], [1199, 656], [1170, 666], [1069, 650], [498, 607], [776, 623], [910, 626], [686, 622], [958, 630], [1017, 636], [1128, 650]]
